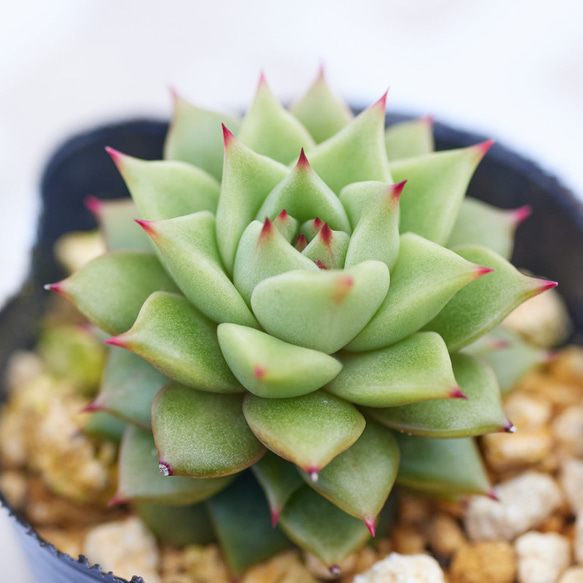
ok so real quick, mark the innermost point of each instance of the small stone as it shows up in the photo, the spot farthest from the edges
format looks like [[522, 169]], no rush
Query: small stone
[[283, 568], [504, 451], [578, 542], [568, 430], [572, 575], [445, 536], [321, 571], [403, 569], [524, 503], [14, 486], [412, 509], [559, 393], [571, 479], [23, 368], [125, 547], [528, 413], [384, 547], [542, 558], [365, 559], [408, 540], [485, 562], [554, 523], [569, 365]]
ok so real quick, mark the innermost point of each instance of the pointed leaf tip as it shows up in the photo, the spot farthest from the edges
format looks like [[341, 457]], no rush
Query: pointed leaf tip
[[510, 427], [482, 270], [148, 226], [91, 408], [262, 79], [301, 243], [165, 468], [492, 495], [396, 190], [326, 234], [283, 216], [267, 230], [117, 499], [303, 161], [55, 287], [275, 517], [370, 524], [483, 147], [334, 570], [547, 284], [118, 341], [382, 102], [116, 155], [228, 136], [456, 393], [314, 474], [522, 213], [93, 205], [321, 72], [428, 119]]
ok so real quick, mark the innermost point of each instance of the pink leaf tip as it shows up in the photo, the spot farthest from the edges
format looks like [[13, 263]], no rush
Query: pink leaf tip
[[116, 155], [334, 570], [396, 190], [313, 472], [370, 524], [165, 468], [482, 270], [321, 72], [283, 216], [483, 148], [262, 79], [547, 284], [228, 137], [118, 341], [275, 517], [510, 427], [428, 119], [522, 213], [55, 287], [117, 499], [318, 223], [326, 235], [303, 161], [148, 226], [93, 205], [91, 408], [267, 230], [301, 243], [491, 493], [381, 104], [456, 393]]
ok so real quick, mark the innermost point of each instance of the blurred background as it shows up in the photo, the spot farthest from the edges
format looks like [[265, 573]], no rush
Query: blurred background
[[510, 69]]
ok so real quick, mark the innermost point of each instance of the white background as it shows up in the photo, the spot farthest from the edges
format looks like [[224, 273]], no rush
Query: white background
[[511, 69]]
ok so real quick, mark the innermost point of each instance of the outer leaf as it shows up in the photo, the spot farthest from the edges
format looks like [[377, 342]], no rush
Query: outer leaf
[[359, 480], [286, 225], [128, 387], [174, 337], [269, 367], [242, 521], [164, 190], [111, 289], [104, 426], [425, 277], [309, 431], [264, 252], [247, 179], [436, 185], [269, 129], [298, 306], [321, 112], [141, 480], [441, 466], [483, 304], [202, 435], [328, 248], [410, 138], [356, 153], [305, 195], [188, 246], [479, 223], [279, 480], [417, 368], [321, 528], [195, 137], [481, 413]]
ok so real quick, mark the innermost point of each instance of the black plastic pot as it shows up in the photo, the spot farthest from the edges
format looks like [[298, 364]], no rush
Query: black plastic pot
[[550, 244]]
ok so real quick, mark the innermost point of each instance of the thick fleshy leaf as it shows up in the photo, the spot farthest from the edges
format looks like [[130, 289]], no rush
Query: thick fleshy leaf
[[116, 223], [328, 248], [264, 252], [359, 479], [248, 178], [111, 289], [321, 112], [479, 223], [436, 185], [140, 478], [195, 137], [279, 480], [177, 526], [188, 246], [104, 426], [321, 528], [309, 431], [417, 368], [376, 231], [242, 522], [410, 138], [304, 195], [174, 337], [287, 225], [202, 435], [269, 129], [482, 305], [163, 190], [128, 387], [480, 413], [425, 277], [441, 466], [269, 367], [355, 153], [322, 310]]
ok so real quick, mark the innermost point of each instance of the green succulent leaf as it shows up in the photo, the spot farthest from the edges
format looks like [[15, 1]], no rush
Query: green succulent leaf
[[195, 137], [359, 479], [482, 305], [321, 112], [328, 248], [355, 153], [188, 246], [202, 435], [279, 480], [248, 178], [177, 526], [480, 413], [287, 225], [436, 185], [174, 337], [425, 277], [110, 289], [479, 223], [104, 426], [321, 528], [272, 368], [321, 310], [242, 521], [309, 431], [128, 387], [417, 368], [269, 129], [410, 138], [141, 480], [264, 252], [442, 467]]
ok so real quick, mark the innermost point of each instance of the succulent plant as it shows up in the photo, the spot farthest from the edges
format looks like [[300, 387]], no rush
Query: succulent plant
[[299, 313]]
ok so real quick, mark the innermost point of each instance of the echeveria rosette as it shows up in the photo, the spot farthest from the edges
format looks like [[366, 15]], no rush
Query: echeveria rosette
[[295, 304]]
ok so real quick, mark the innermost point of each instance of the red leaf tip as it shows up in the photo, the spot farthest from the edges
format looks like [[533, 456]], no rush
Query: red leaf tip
[[483, 270], [228, 137], [510, 427], [93, 205], [262, 79], [483, 148], [266, 230], [522, 213], [303, 161], [301, 243], [318, 223], [456, 393], [55, 287], [396, 190], [370, 524], [116, 155], [491, 493], [148, 226], [283, 216], [382, 102], [275, 517], [165, 468], [117, 499], [91, 408], [334, 570], [259, 372], [547, 284], [326, 235], [118, 341], [314, 473]]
